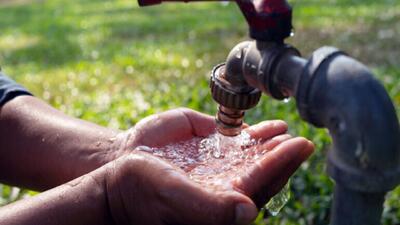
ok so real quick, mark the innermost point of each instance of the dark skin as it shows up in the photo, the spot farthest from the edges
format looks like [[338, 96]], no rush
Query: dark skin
[[113, 182]]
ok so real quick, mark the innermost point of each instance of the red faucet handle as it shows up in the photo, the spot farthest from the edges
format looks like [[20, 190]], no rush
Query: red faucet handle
[[155, 2], [149, 2], [269, 20]]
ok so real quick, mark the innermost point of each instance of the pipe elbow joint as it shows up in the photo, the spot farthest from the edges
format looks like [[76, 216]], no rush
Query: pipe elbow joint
[[234, 66], [253, 64], [339, 93]]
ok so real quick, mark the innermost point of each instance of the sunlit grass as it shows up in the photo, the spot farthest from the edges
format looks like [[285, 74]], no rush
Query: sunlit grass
[[113, 63]]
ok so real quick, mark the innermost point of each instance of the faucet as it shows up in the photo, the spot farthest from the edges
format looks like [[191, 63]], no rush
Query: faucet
[[332, 90]]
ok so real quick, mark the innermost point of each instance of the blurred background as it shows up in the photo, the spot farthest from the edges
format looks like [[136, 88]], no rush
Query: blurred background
[[113, 63]]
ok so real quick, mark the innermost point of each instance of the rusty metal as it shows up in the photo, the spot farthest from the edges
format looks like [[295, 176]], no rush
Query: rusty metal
[[229, 121], [233, 100]]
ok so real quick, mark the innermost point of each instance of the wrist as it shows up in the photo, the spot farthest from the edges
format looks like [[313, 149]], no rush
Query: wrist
[[79, 202]]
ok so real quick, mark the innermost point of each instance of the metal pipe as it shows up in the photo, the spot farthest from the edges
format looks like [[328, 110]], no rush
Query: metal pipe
[[249, 69], [233, 95], [288, 72], [229, 121], [334, 91], [339, 93], [272, 68], [354, 207]]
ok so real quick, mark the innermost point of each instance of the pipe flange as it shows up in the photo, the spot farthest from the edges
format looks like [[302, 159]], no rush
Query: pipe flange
[[318, 58], [226, 97], [369, 180]]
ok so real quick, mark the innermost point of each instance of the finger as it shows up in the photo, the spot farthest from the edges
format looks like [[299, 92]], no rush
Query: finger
[[268, 145], [191, 203], [201, 124], [263, 196], [216, 209], [267, 129], [140, 181], [187, 202], [279, 163], [174, 125], [283, 178]]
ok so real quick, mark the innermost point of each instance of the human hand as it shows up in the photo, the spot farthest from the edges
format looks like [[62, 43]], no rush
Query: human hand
[[167, 196], [139, 188], [272, 171], [143, 189], [164, 128]]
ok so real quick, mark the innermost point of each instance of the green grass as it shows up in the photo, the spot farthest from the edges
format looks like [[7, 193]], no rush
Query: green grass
[[113, 63]]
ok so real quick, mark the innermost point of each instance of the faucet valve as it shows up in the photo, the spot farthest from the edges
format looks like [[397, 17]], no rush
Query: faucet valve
[[233, 101]]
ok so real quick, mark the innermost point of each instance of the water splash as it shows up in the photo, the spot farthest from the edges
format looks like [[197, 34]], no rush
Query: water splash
[[214, 161], [275, 205]]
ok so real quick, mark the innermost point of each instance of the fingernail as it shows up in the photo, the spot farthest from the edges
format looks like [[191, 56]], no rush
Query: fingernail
[[245, 214]]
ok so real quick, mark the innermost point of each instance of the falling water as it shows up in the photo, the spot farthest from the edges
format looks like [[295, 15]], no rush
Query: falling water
[[216, 160]]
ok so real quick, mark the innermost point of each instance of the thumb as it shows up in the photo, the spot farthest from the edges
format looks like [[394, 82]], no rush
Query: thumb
[[270, 174], [197, 205]]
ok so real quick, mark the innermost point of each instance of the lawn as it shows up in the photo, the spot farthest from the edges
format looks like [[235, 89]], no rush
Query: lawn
[[113, 63]]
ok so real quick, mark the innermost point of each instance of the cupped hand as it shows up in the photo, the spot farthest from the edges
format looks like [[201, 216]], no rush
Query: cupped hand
[[272, 171], [164, 128], [144, 189]]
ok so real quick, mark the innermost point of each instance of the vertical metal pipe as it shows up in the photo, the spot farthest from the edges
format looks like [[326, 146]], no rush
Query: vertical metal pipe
[[341, 94], [354, 207]]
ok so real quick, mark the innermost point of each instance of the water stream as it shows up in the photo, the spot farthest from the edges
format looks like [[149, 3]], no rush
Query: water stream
[[216, 160]]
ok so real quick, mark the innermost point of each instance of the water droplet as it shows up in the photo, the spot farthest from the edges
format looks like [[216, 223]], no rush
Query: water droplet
[[286, 100], [275, 205], [217, 153]]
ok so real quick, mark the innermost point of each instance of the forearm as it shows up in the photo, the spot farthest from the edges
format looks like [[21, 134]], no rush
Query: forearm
[[41, 147], [82, 201]]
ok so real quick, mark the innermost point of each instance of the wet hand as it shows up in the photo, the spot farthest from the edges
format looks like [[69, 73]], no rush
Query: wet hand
[[151, 183], [143, 189], [270, 174], [165, 128]]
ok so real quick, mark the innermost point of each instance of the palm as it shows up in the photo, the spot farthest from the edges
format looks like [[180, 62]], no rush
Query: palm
[[262, 180]]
